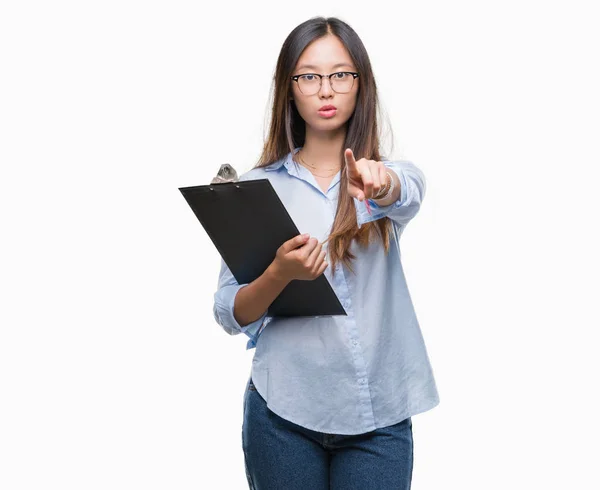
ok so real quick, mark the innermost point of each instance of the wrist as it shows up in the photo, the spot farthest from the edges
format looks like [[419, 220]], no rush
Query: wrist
[[274, 275], [383, 193]]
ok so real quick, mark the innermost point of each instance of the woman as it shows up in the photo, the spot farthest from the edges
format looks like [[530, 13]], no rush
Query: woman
[[329, 400]]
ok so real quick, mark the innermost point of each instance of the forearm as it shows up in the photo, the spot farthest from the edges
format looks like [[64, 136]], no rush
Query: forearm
[[253, 300], [395, 194]]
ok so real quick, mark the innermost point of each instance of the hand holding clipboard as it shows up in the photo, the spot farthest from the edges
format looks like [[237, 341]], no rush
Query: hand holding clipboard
[[249, 226], [301, 258]]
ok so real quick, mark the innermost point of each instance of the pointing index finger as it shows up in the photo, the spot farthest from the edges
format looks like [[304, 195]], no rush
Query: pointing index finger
[[349, 156]]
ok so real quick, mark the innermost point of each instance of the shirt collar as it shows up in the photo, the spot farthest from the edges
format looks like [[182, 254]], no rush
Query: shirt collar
[[286, 160]]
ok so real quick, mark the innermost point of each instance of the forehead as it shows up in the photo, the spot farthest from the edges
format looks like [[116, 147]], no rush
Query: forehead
[[324, 54], [306, 66]]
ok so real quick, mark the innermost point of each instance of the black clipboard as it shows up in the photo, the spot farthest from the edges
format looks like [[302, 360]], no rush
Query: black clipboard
[[247, 223]]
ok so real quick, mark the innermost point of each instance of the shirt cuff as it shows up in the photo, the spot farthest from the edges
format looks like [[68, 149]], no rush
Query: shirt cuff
[[224, 300], [401, 211]]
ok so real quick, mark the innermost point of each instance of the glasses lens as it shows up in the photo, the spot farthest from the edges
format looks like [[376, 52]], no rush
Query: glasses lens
[[342, 82], [309, 84]]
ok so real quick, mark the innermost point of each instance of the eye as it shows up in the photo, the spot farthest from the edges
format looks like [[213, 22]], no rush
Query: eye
[[309, 77], [341, 75]]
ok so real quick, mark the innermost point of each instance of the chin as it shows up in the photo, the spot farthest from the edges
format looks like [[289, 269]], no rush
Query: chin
[[326, 127], [320, 122]]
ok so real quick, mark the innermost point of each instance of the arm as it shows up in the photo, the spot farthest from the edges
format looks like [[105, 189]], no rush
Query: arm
[[406, 198], [242, 308], [253, 300]]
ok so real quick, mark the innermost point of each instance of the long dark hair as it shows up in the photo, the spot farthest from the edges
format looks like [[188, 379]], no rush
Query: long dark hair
[[287, 129]]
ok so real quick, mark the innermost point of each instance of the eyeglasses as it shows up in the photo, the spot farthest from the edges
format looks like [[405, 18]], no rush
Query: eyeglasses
[[310, 83]]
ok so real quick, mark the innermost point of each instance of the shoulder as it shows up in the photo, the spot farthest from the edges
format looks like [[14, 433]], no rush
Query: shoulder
[[262, 172], [253, 174]]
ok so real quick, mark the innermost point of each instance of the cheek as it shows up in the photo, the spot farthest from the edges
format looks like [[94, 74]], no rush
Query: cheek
[[348, 109], [352, 104], [302, 108], [297, 101]]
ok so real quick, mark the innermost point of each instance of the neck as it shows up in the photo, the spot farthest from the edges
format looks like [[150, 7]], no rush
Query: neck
[[323, 150]]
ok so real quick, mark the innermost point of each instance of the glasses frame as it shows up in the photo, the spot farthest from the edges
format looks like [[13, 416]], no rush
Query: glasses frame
[[354, 74]]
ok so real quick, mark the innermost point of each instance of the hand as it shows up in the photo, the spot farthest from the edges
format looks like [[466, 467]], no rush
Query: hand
[[304, 263], [366, 178]]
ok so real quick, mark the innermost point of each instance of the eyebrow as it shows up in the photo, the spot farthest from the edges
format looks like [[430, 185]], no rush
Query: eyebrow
[[314, 67]]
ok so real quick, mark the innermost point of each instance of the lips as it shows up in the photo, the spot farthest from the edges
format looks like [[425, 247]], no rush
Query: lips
[[327, 113], [327, 107]]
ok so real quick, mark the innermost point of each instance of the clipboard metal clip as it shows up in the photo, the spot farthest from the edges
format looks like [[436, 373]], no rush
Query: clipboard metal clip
[[225, 174]]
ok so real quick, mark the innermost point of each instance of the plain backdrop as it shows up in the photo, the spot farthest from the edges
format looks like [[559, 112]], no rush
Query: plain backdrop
[[113, 372]]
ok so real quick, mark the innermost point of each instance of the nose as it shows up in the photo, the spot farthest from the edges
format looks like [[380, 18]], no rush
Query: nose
[[325, 89]]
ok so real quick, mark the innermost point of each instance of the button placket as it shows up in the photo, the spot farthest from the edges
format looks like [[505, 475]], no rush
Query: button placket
[[364, 395]]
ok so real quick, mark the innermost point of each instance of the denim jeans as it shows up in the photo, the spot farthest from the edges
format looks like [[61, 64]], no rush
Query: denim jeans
[[280, 455]]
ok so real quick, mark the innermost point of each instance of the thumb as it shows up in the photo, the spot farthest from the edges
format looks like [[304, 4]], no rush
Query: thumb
[[295, 242]]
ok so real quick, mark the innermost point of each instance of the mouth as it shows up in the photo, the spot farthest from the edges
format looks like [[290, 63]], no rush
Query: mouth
[[327, 111]]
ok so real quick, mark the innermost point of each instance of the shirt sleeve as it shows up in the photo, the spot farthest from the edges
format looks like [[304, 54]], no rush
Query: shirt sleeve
[[412, 192], [224, 299]]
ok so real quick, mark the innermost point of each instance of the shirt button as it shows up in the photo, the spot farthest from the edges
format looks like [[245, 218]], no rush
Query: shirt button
[[362, 381], [355, 342]]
